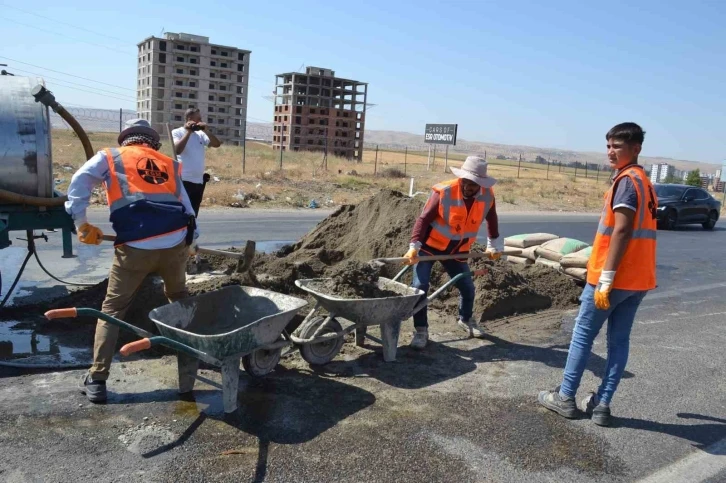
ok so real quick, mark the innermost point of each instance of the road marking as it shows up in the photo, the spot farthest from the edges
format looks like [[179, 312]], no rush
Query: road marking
[[685, 318], [683, 290], [698, 466]]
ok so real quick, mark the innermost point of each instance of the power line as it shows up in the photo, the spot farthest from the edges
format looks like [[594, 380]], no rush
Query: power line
[[15, 69], [69, 75], [65, 36], [56, 21]]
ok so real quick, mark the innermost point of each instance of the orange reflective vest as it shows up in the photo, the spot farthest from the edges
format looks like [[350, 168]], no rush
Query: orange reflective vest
[[637, 267], [455, 229], [144, 194]]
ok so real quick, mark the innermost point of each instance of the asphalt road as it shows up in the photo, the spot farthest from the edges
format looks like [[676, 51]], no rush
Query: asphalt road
[[670, 407]]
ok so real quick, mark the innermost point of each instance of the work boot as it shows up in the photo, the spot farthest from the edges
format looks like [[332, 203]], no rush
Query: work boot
[[598, 411], [95, 391], [554, 402], [420, 338], [472, 328]]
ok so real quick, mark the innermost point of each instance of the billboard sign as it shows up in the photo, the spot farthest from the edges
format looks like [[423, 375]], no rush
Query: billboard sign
[[441, 134]]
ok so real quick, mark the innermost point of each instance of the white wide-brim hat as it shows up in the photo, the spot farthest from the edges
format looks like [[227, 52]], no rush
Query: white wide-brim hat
[[475, 169], [137, 126]]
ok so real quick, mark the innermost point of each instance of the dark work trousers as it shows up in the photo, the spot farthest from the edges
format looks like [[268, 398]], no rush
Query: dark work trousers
[[195, 192]]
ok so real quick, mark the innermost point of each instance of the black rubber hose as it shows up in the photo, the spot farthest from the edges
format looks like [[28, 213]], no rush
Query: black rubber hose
[[20, 272]]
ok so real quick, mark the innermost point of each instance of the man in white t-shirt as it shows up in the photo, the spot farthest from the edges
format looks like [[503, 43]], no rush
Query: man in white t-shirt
[[189, 143]]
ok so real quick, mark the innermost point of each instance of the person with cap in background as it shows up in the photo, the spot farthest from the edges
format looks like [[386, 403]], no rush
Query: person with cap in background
[[154, 224], [449, 224]]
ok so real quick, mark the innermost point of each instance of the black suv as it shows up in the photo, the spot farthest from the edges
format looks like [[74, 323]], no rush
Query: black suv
[[685, 205]]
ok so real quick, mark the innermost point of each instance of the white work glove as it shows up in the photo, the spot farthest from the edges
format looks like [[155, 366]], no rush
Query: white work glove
[[495, 247], [602, 291], [193, 248]]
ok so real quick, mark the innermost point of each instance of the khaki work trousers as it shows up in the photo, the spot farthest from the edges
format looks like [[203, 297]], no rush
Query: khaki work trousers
[[130, 268]]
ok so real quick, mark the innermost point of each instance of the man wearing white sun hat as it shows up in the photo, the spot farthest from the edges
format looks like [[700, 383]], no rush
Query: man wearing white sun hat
[[449, 224]]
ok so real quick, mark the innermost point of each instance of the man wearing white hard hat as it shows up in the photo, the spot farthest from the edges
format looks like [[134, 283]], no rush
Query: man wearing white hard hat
[[449, 224]]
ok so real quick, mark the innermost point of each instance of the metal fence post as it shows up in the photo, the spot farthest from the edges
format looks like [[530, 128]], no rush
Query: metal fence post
[[586, 163], [519, 165], [281, 146], [446, 160], [597, 179], [375, 165], [548, 170], [575, 170], [405, 159]]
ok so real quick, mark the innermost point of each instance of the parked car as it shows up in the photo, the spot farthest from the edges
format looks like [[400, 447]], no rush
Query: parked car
[[685, 205]]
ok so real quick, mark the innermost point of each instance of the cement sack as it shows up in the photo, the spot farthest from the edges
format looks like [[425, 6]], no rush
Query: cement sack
[[577, 259], [519, 260], [530, 253], [578, 273], [556, 249], [548, 263], [528, 240]]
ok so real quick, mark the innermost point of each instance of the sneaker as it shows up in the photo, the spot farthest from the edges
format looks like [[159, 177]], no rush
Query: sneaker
[[554, 402], [420, 338], [599, 413], [95, 391], [472, 328]]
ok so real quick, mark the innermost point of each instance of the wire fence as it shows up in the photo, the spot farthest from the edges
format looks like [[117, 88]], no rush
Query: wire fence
[[380, 159]]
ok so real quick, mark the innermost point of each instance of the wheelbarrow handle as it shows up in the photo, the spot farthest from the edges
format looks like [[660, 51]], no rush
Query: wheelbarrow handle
[[73, 312], [148, 342], [207, 251], [425, 301]]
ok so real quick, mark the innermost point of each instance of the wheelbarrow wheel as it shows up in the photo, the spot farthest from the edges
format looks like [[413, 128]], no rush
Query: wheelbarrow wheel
[[322, 352], [261, 362]]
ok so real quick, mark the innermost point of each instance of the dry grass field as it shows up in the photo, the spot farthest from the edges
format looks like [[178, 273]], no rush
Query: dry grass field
[[303, 177]]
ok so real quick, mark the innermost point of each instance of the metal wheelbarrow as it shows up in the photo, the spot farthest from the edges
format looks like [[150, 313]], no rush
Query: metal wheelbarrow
[[320, 337], [219, 327]]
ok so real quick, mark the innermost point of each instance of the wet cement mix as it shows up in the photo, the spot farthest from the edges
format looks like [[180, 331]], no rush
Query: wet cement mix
[[375, 228], [354, 280]]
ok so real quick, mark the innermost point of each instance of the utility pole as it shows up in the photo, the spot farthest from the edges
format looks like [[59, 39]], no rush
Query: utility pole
[[325, 155], [405, 158], [280, 151], [244, 147], [120, 119]]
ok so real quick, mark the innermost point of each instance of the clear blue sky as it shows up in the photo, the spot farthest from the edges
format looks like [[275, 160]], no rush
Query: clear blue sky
[[551, 74]]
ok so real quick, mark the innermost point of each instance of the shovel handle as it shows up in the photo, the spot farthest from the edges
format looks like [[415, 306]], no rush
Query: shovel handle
[[208, 251], [458, 256]]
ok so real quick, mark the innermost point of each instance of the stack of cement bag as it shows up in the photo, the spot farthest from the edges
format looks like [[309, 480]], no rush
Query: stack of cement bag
[[567, 255]]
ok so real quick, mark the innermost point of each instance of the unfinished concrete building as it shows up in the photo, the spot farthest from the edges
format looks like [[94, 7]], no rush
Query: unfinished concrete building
[[317, 111], [185, 70]]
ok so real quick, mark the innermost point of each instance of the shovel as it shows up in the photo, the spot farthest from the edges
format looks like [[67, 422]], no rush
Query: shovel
[[244, 258], [458, 256]]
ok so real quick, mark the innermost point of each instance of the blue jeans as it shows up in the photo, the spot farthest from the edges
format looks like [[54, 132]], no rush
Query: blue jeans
[[620, 316], [422, 277]]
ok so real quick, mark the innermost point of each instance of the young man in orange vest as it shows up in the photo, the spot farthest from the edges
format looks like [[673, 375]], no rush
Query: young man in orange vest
[[449, 224], [154, 224], [620, 273]]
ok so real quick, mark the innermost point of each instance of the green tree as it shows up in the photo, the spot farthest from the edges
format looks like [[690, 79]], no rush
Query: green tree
[[671, 179], [694, 178]]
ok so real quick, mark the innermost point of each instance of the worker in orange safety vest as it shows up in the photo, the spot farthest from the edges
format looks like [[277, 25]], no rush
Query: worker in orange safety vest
[[449, 224], [154, 224], [620, 272]]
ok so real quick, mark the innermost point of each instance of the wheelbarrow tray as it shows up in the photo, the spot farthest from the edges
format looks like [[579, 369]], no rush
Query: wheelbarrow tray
[[367, 311], [233, 320]]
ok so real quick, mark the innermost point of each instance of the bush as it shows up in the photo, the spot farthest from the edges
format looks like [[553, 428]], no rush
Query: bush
[[392, 173]]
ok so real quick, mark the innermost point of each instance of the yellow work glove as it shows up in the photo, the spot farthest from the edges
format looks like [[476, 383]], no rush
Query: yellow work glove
[[495, 247], [92, 235], [602, 291], [411, 256]]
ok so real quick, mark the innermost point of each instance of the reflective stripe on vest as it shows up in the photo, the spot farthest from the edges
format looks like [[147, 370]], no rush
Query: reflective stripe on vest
[[443, 227], [115, 156], [637, 267]]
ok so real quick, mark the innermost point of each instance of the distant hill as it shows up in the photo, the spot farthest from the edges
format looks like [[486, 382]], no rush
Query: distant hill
[[415, 141]]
